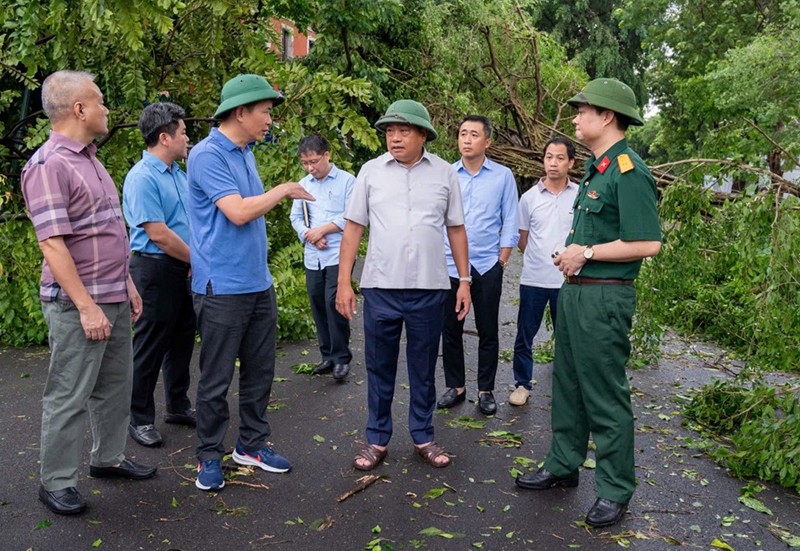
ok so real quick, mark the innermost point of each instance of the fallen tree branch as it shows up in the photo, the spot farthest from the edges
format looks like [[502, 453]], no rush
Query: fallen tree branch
[[363, 483]]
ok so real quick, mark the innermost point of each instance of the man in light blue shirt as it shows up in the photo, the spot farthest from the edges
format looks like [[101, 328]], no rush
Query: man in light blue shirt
[[490, 200], [319, 226], [154, 199]]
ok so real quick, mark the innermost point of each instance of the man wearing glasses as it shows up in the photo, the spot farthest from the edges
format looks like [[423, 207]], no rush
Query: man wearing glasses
[[319, 226]]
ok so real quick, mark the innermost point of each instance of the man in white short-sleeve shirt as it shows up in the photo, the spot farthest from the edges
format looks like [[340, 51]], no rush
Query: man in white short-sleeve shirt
[[545, 219]]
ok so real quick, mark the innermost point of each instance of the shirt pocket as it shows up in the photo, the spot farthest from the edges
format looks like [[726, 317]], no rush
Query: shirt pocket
[[593, 210], [335, 204]]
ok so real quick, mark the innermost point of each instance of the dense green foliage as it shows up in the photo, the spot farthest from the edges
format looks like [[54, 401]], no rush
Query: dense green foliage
[[730, 273], [755, 427], [140, 51], [721, 76]]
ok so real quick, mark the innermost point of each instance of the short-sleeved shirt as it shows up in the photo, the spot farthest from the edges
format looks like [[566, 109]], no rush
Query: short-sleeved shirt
[[331, 194], [155, 192], [233, 259], [616, 200], [547, 217], [406, 210], [69, 194], [490, 214]]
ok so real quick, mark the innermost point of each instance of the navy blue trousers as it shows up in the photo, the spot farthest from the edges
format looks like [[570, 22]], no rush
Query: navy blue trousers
[[532, 302], [385, 313]]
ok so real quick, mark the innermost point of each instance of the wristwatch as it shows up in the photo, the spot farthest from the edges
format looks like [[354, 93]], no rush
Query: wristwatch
[[468, 279], [588, 252]]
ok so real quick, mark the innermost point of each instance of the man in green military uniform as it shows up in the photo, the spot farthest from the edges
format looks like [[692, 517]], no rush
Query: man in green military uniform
[[615, 226]]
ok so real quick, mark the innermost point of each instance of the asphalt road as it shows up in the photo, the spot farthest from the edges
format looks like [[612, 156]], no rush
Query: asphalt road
[[682, 498]]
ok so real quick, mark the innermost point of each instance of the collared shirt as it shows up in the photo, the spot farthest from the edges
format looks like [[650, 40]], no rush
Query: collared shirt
[[406, 210], [614, 205], [68, 193], [490, 213], [155, 192], [547, 218], [231, 258], [331, 194]]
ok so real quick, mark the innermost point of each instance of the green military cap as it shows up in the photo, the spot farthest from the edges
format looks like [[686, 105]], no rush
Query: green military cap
[[406, 111], [245, 89], [611, 94]]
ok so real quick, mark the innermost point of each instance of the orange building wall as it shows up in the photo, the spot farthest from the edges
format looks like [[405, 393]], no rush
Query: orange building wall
[[300, 40]]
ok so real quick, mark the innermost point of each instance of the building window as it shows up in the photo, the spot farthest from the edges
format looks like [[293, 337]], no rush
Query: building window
[[287, 44]]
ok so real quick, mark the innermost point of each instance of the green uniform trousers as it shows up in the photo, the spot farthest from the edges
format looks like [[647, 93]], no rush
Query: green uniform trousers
[[86, 379], [590, 387]]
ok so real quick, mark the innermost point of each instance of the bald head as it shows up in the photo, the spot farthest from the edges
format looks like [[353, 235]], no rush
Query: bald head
[[61, 90]]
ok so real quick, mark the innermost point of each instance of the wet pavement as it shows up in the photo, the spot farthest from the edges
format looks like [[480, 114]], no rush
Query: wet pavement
[[683, 499]]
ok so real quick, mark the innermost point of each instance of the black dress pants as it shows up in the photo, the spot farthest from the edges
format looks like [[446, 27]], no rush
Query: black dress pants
[[163, 336], [486, 290]]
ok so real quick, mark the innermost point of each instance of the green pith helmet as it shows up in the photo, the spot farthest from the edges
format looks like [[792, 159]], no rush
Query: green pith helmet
[[611, 94], [244, 89], [406, 111]]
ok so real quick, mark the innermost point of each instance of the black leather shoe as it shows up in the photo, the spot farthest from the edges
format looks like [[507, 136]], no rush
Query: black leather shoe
[[323, 367], [605, 512], [127, 469], [487, 403], [68, 501], [544, 479], [451, 398], [146, 435], [188, 418], [340, 371]]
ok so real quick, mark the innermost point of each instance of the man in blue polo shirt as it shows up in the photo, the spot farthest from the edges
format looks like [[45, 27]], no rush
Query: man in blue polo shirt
[[233, 294], [319, 226], [490, 211], [154, 200]]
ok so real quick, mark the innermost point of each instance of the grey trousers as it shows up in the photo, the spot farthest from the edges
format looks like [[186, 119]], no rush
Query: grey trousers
[[86, 379]]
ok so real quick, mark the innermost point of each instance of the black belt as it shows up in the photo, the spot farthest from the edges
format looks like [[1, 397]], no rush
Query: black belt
[[576, 280], [162, 257]]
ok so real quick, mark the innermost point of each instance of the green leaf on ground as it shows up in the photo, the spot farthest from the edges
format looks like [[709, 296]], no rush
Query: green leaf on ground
[[755, 504], [46, 523], [433, 531], [466, 422], [434, 493], [318, 438], [719, 544], [303, 368]]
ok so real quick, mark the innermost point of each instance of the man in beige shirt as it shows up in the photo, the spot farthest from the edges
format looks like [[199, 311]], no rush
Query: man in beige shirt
[[407, 196]]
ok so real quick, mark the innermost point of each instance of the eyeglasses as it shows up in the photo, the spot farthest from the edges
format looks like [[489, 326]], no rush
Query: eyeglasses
[[308, 163]]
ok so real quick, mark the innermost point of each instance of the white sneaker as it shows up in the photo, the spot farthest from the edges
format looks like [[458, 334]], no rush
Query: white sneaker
[[519, 396]]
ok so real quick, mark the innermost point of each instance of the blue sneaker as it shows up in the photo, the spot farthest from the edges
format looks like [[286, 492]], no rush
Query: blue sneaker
[[265, 458], [209, 475]]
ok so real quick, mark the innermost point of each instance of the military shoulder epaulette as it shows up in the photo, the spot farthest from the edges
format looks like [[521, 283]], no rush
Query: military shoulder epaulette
[[625, 163]]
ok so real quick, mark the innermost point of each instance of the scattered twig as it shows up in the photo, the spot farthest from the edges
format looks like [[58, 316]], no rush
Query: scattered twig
[[176, 452], [363, 483]]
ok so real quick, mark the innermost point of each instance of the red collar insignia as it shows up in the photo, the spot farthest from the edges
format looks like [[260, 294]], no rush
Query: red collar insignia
[[601, 168]]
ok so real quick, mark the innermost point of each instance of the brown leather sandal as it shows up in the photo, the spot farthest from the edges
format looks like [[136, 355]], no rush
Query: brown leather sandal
[[371, 455], [431, 453]]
